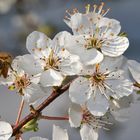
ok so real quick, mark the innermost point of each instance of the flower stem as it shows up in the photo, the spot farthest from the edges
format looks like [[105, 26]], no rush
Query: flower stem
[[20, 112], [43, 105], [53, 118]]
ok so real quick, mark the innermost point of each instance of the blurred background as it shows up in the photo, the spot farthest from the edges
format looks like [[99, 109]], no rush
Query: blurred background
[[18, 18]]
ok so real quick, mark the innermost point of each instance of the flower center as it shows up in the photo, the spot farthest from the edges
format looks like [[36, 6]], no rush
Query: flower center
[[97, 78], [51, 62], [87, 116], [21, 83], [93, 42], [95, 122]]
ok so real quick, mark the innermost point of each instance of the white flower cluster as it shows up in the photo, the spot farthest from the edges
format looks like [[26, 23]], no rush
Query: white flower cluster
[[93, 55]]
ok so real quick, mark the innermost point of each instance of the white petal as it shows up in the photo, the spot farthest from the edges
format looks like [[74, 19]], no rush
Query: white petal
[[60, 39], [70, 65], [51, 78], [112, 63], [37, 138], [78, 20], [29, 64], [119, 87], [16, 66], [76, 45], [115, 47], [134, 68], [88, 133], [5, 130], [36, 41], [121, 115], [75, 115], [59, 133], [79, 90], [33, 92], [120, 109], [98, 104], [109, 28]]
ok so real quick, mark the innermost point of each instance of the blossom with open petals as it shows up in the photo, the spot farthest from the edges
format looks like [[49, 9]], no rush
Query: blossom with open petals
[[55, 61], [58, 134], [95, 35], [5, 130], [26, 84], [99, 85], [80, 117]]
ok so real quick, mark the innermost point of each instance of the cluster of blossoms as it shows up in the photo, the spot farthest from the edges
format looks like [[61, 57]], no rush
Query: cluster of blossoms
[[103, 80]]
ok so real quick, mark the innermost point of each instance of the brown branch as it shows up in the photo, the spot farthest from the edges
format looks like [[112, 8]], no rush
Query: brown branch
[[43, 105], [52, 118]]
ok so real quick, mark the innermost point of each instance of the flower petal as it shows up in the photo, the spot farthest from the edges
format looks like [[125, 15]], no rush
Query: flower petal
[[5, 130], [119, 87], [29, 64], [88, 133], [115, 47], [51, 78], [98, 104], [37, 42], [59, 133], [112, 63], [33, 92], [120, 109], [79, 20], [76, 45], [70, 65], [60, 39], [134, 68], [79, 90], [109, 28], [75, 115]]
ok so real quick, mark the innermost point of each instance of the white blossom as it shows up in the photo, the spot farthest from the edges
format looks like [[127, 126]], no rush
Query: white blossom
[[95, 36], [54, 60], [58, 134], [89, 124], [99, 85], [5, 5], [26, 84], [5, 130]]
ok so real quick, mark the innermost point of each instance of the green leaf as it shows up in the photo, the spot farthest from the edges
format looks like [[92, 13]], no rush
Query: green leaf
[[30, 126]]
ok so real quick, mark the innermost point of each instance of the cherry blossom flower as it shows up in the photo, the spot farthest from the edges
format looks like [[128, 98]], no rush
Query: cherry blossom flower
[[5, 5], [5, 130], [58, 134], [89, 124], [26, 84], [55, 61], [95, 35], [100, 84]]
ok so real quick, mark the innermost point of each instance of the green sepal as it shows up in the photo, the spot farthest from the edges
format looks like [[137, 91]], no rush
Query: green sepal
[[123, 34], [30, 126], [87, 76]]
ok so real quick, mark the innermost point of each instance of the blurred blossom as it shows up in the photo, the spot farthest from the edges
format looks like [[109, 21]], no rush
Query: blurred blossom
[[5, 5]]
